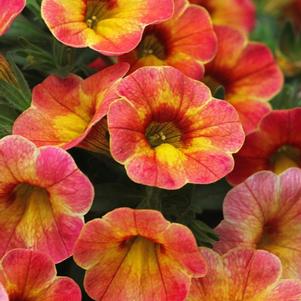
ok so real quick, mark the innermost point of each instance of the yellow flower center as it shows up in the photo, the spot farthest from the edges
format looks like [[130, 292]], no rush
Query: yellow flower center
[[285, 157], [158, 133], [152, 44], [27, 192], [98, 10]]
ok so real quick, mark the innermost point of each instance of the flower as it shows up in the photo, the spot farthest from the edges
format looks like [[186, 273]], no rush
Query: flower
[[243, 275], [263, 213], [135, 254], [3, 293], [186, 42], [275, 145], [64, 111], [111, 27], [239, 14], [9, 10], [31, 275], [247, 71], [167, 130], [43, 197]]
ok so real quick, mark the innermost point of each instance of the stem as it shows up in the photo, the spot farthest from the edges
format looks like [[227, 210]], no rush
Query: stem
[[152, 199]]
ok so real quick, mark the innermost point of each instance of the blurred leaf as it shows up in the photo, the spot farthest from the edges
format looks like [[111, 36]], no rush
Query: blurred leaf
[[290, 96], [109, 196], [266, 30], [219, 92], [209, 197]]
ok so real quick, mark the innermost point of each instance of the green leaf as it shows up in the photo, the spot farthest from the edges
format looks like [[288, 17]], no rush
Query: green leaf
[[204, 235]]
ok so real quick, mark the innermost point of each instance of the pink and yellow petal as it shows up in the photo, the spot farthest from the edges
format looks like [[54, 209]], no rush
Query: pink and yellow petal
[[274, 132], [68, 123], [25, 272], [129, 245], [187, 41], [9, 10], [118, 28], [3, 294], [251, 113], [286, 290], [239, 14], [231, 43], [236, 276], [194, 34], [213, 286], [263, 212], [30, 275], [18, 159], [35, 211], [256, 75], [63, 288]]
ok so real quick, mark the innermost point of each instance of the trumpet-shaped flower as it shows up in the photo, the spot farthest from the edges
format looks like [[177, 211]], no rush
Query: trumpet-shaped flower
[[186, 42], [275, 145], [43, 197], [243, 275], [263, 212], [137, 255], [111, 27], [239, 14], [64, 111], [9, 10], [167, 130], [247, 71], [28, 275]]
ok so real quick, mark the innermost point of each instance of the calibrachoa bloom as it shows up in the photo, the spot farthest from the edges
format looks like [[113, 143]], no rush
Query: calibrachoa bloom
[[168, 130], [64, 111], [239, 14], [111, 27], [30, 275], [243, 275], [137, 255], [263, 213], [9, 10], [247, 71], [43, 197], [186, 42], [275, 145]]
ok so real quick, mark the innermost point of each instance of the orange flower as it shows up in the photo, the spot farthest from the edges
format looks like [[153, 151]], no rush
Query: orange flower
[[243, 275], [239, 14], [264, 213], [43, 198], [168, 130], [275, 145], [30, 275], [137, 255], [186, 42], [247, 71], [111, 27], [70, 112]]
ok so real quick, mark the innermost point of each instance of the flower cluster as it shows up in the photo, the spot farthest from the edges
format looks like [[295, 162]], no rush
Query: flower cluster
[[122, 123]]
